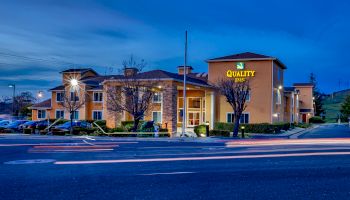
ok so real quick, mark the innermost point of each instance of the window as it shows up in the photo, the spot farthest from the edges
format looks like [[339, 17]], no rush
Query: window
[[157, 97], [98, 96], [41, 114], [75, 115], [248, 96], [180, 116], [194, 102], [230, 117], [73, 95], [243, 120], [59, 114], [157, 117], [97, 115], [59, 96]]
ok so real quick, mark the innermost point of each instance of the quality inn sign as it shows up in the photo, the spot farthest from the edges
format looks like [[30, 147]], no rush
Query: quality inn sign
[[240, 75]]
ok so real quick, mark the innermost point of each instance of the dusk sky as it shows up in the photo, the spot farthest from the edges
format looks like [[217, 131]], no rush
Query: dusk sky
[[40, 38]]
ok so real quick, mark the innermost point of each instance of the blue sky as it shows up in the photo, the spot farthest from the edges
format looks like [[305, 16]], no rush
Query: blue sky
[[39, 38]]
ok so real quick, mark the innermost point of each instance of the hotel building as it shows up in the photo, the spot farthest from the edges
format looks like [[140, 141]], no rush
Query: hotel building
[[269, 100]]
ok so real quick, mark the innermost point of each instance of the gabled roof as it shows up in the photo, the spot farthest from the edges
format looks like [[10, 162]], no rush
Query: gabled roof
[[43, 104], [246, 56]]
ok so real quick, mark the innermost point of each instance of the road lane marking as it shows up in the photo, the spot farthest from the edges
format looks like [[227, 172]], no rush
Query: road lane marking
[[89, 143], [34, 161], [166, 173], [199, 158]]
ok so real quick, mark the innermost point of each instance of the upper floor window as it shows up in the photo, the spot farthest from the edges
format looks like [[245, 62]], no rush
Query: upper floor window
[[41, 114], [157, 97], [98, 96], [59, 96], [248, 96], [74, 96]]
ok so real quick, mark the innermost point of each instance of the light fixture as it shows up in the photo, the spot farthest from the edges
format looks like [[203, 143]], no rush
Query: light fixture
[[74, 82], [40, 94], [275, 114], [280, 87]]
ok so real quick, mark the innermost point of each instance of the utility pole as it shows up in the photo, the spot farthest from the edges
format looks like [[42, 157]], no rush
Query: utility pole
[[184, 90], [13, 86]]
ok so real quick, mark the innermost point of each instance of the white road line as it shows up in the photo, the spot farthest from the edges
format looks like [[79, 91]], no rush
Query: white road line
[[166, 173], [88, 143], [200, 158]]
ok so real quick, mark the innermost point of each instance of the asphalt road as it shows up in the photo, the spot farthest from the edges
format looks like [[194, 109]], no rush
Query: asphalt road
[[329, 131], [39, 167]]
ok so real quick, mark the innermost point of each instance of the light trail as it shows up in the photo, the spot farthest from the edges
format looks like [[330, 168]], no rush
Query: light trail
[[200, 158]]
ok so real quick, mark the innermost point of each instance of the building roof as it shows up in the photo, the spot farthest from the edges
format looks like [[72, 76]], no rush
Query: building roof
[[161, 74], [61, 87], [246, 56], [43, 104], [303, 84], [79, 70], [289, 89]]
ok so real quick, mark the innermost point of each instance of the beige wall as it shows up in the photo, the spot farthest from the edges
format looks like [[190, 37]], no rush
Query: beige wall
[[260, 105]]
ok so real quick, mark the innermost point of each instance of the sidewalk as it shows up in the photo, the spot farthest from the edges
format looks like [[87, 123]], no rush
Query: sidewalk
[[291, 134]]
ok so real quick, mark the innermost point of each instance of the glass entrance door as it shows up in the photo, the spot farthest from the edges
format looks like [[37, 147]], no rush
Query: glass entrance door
[[193, 118]]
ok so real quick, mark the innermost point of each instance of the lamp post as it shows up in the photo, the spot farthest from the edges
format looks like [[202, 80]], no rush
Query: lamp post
[[74, 84], [13, 98], [242, 129]]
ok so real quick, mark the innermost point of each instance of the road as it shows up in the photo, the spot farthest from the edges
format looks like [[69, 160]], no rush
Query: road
[[40, 167], [329, 131]]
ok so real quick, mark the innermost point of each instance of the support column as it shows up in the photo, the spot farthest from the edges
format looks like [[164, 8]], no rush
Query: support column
[[170, 107], [212, 110]]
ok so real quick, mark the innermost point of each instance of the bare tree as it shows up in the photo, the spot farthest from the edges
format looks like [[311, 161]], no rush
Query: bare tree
[[72, 101], [236, 94], [131, 94], [22, 103]]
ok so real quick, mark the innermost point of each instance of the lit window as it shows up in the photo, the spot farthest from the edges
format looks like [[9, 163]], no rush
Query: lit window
[[41, 114], [97, 115], [98, 96], [157, 117], [157, 97], [59, 114]]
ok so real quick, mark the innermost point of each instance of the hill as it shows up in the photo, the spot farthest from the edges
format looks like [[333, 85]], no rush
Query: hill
[[332, 104]]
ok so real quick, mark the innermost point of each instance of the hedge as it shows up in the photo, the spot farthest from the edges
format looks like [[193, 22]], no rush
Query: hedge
[[255, 128], [221, 133], [200, 130], [316, 120]]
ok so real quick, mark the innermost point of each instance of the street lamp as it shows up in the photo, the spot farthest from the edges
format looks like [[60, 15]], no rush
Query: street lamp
[[40, 94], [13, 97]]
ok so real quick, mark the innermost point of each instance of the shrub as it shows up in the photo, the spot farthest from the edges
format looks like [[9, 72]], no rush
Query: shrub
[[200, 130], [221, 133], [163, 130], [255, 128], [28, 131], [316, 120], [129, 124], [117, 129], [303, 125]]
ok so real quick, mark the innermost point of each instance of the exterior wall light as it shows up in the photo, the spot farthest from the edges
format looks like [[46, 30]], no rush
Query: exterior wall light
[[280, 87], [74, 82]]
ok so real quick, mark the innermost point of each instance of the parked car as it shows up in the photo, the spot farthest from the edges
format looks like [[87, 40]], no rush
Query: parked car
[[29, 124], [4, 123], [65, 127], [15, 126]]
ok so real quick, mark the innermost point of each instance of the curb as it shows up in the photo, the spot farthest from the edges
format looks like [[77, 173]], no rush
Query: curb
[[297, 135]]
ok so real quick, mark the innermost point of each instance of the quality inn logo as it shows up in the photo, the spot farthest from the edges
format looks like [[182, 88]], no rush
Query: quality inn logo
[[240, 65]]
